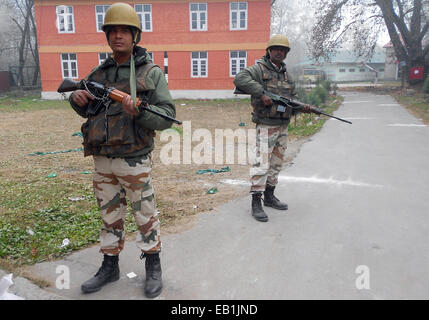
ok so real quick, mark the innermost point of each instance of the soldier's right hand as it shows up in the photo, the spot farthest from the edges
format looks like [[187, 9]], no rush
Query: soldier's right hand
[[81, 98], [266, 100]]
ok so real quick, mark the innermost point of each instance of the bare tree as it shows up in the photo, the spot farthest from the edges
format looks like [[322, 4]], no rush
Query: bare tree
[[21, 37], [360, 22], [293, 18]]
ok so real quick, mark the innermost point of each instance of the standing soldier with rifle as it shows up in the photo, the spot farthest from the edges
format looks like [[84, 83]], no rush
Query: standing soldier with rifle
[[119, 136], [272, 119]]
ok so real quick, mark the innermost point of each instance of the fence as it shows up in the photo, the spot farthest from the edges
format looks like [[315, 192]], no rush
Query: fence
[[26, 77]]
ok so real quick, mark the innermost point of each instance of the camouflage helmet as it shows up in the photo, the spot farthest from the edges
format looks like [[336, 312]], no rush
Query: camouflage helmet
[[121, 13], [278, 40]]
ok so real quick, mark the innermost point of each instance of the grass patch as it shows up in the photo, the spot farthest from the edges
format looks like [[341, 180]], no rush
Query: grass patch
[[418, 105], [29, 103]]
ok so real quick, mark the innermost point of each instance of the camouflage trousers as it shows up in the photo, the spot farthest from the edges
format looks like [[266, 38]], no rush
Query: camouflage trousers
[[115, 178], [271, 145]]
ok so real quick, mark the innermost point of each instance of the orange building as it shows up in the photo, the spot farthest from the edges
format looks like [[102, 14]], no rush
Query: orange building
[[203, 43]]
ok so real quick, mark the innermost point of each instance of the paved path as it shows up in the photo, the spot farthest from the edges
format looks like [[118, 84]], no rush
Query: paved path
[[358, 215]]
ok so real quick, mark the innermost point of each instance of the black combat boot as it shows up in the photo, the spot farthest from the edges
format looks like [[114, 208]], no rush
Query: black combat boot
[[153, 285], [271, 201], [108, 272], [257, 211]]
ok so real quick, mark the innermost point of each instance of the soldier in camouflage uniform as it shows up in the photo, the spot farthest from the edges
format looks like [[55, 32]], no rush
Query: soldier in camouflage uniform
[[120, 139], [269, 73]]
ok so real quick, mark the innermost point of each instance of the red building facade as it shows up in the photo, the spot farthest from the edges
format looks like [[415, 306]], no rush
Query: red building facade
[[203, 43]]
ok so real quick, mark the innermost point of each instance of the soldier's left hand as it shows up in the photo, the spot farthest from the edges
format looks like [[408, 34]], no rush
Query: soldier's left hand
[[128, 106], [306, 109]]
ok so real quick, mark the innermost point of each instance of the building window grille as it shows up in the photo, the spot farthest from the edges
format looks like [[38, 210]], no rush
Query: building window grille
[[237, 62], [69, 65], [144, 11], [102, 56], [100, 12], [198, 16], [65, 20], [199, 62], [238, 15]]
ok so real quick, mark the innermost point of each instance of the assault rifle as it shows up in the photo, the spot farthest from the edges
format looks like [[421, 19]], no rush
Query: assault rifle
[[103, 96], [294, 104]]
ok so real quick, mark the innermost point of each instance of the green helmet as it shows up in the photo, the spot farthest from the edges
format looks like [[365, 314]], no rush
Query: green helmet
[[122, 14]]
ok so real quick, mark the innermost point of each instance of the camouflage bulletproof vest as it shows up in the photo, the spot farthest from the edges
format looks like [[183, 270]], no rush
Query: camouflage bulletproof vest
[[113, 132], [275, 82]]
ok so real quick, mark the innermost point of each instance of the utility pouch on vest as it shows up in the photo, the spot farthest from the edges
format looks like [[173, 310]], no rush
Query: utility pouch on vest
[[281, 108]]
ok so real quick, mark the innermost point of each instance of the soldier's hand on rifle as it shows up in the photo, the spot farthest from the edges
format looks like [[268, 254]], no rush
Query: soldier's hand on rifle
[[266, 100], [128, 106], [81, 98], [310, 109], [306, 109]]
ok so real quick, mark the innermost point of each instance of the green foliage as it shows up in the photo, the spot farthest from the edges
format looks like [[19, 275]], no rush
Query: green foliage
[[317, 96], [326, 84]]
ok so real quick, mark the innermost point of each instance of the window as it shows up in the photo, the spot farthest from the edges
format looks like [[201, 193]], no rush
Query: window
[[351, 70], [102, 57], [199, 61], [65, 21], [381, 69], [342, 70], [144, 11], [100, 12], [198, 16], [238, 16], [362, 70], [237, 62], [69, 65]]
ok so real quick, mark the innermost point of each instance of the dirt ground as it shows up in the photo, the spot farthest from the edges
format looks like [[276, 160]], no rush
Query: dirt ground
[[180, 192]]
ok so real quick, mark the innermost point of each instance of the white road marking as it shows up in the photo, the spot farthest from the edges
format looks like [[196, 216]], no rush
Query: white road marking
[[388, 105], [358, 101], [407, 125], [330, 180]]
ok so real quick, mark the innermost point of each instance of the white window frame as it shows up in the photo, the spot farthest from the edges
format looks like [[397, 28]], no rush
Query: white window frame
[[198, 13], [240, 62], [69, 62], [198, 62], [65, 16], [238, 13], [143, 16], [100, 14], [101, 59]]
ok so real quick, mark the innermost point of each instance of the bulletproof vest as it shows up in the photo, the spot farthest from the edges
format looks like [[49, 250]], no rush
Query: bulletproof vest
[[275, 82], [112, 131]]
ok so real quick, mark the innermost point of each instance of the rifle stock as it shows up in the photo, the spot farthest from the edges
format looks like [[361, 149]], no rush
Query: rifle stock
[[69, 85]]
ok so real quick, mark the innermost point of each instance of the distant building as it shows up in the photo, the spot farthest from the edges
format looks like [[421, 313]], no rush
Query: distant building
[[205, 43], [345, 67]]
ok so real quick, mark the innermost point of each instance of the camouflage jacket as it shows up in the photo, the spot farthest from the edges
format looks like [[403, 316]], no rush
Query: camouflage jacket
[[264, 76], [114, 133]]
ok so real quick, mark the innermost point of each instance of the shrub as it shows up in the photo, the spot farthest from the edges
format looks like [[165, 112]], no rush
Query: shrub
[[314, 98], [322, 93]]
